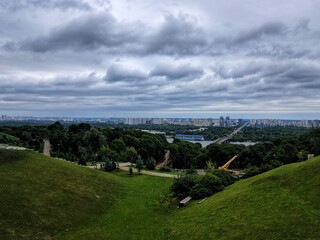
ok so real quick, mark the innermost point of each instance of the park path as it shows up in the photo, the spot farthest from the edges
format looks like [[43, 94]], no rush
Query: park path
[[125, 167], [46, 147], [166, 160]]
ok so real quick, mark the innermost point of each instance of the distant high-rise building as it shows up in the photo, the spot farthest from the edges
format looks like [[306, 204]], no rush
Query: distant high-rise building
[[156, 121], [221, 123], [227, 123]]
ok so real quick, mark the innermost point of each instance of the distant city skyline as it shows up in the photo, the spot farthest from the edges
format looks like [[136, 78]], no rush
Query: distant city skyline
[[311, 116], [217, 119], [198, 122], [147, 58]]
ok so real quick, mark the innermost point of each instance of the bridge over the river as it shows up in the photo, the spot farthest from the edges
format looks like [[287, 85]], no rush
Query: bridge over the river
[[230, 136]]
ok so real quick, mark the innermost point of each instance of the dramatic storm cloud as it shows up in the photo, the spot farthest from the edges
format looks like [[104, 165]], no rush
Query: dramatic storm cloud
[[160, 58]]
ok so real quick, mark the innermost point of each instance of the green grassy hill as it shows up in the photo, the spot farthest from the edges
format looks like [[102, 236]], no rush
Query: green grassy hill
[[41, 197], [45, 198], [280, 204]]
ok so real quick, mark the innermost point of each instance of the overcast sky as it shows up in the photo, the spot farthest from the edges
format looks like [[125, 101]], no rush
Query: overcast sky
[[148, 58]]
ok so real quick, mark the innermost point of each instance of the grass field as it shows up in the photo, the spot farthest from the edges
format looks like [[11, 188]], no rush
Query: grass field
[[45, 198]]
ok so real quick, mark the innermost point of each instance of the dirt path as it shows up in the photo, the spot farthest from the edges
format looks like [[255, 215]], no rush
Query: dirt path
[[46, 147], [166, 160], [125, 167]]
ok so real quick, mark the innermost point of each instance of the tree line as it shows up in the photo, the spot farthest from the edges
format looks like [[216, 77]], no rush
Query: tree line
[[265, 134], [276, 152], [83, 142]]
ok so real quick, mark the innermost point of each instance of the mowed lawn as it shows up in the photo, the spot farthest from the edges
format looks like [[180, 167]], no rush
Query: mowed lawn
[[46, 198]]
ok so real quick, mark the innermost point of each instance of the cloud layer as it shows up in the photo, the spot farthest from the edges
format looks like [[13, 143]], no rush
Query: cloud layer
[[97, 58]]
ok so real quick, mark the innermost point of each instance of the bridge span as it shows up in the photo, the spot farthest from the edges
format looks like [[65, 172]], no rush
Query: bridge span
[[230, 136]]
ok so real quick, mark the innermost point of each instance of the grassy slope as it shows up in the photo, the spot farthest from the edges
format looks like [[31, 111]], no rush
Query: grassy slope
[[41, 196], [280, 204], [137, 215], [55, 197]]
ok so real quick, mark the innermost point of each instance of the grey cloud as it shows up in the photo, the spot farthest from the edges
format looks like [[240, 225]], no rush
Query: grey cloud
[[292, 71], [269, 40], [238, 71], [312, 86], [58, 84], [178, 36], [269, 80], [118, 73], [10, 46], [85, 33], [267, 29], [282, 48], [303, 73], [159, 66], [60, 4], [176, 72], [290, 76]]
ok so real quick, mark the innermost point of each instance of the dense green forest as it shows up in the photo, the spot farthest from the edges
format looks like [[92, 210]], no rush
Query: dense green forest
[[83, 143], [268, 133], [253, 134]]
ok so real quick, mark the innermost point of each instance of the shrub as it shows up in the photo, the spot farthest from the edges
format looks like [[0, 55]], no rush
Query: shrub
[[198, 192], [252, 171], [201, 186], [211, 182], [150, 164], [114, 165], [139, 164], [191, 171], [165, 169], [181, 186], [82, 160], [265, 167], [224, 176], [108, 166]]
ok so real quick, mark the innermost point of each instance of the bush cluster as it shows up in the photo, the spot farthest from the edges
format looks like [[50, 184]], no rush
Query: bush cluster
[[150, 164], [181, 186], [252, 171], [198, 186], [165, 169]]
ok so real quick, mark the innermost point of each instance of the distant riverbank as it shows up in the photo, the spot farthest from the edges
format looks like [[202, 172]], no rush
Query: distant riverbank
[[206, 143]]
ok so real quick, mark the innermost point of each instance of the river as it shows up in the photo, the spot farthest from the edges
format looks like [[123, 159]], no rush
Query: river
[[206, 143]]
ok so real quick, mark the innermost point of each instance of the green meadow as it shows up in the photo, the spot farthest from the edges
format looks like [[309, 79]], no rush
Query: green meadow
[[46, 198]]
